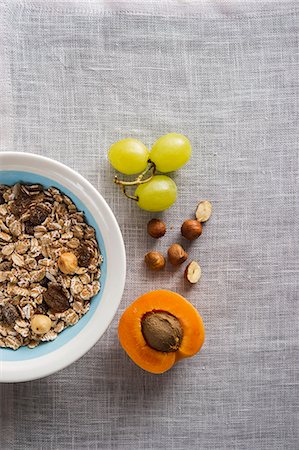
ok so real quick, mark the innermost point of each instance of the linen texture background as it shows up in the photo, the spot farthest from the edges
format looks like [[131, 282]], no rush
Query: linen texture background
[[76, 77]]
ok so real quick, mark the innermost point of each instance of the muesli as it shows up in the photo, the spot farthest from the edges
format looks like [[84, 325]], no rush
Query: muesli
[[49, 264]]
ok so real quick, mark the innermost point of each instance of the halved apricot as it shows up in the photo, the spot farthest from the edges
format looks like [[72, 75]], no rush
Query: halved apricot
[[160, 328]]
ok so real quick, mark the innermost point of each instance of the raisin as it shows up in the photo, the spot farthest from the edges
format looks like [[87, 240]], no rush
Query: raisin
[[44, 282], [10, 313], [1, 199], [56, 298], [22, 201], [41, 309], [20, 206], [5, 265], [25, 198], [38, 215], [29, 229], [84, 255]]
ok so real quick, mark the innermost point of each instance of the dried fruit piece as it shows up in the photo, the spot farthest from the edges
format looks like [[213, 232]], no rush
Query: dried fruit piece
[[154, 260], [10, 313], [84, 255], [39, 214], [29, 229], [44, 282], [203, 211], [191, 229], [156, 228], [68, 263], [176, 254], [5, 265], [55, 298], [22, 201], [193, 272], [42, 308]]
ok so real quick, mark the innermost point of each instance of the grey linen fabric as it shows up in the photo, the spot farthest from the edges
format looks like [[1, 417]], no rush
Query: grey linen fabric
[[77, 76]]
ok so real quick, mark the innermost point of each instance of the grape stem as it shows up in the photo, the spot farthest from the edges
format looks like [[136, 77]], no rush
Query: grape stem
[[132, 197], [139, 179]]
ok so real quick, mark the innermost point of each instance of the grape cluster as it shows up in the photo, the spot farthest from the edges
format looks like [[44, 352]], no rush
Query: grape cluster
[[153, 191]]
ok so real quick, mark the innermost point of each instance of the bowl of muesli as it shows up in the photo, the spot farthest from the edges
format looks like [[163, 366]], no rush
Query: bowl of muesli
[[62, 266]]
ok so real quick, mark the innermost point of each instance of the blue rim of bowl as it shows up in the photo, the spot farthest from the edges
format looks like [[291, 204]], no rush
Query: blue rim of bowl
[[10, 177]]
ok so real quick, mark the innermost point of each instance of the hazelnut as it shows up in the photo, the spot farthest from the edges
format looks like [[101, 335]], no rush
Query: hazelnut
[[193, 272], [191, 229], [68, 263], [203, 211], [176, 254], [40, 324], [156, 228], [154, 260]]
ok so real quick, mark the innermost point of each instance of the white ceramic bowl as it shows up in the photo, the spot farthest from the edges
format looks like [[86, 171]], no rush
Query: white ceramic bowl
[[28, 364]]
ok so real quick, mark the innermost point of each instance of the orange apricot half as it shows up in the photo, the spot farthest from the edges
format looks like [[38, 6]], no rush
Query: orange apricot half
[[160, 328]]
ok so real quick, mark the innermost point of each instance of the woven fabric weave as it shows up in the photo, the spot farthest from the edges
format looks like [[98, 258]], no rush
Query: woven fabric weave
[[76, 77]]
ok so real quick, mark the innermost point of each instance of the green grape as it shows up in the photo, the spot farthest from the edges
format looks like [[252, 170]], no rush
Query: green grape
[[128, 156], [157, 194], [170, 152]]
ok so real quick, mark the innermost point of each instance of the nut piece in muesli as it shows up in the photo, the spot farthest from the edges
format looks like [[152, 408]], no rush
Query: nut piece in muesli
[[49, 264]]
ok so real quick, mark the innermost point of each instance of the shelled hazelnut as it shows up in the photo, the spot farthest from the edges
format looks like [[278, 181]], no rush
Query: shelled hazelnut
[[68, 263], [193, 272], [40, 324], [203, 211]]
